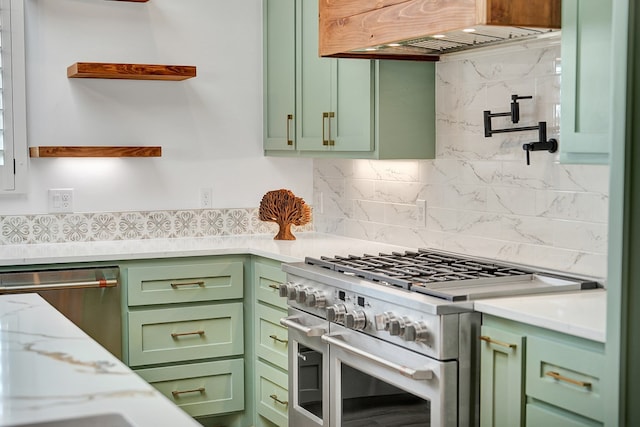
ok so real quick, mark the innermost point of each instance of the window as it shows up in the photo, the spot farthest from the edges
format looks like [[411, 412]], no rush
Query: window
[[13, 129]]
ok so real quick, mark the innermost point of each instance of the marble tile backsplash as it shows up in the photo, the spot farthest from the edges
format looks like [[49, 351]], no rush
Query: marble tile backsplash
[[481, 197], [101, 226]]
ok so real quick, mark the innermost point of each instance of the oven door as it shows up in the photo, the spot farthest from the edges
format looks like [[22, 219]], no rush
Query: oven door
[[375, 383], [308, 370]]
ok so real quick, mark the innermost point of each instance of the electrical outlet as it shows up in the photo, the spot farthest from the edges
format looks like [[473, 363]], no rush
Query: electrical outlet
[[206, 198], [61, 200], [421, 212]]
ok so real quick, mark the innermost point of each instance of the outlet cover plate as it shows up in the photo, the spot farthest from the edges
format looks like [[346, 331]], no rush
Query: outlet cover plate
[[61, 200]]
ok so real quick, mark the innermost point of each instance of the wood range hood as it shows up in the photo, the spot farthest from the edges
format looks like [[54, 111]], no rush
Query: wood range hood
[[426, 29]]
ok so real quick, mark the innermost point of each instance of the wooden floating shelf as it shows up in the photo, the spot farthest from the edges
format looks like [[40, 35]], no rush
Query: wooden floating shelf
[[136, 1], [98, 151], [104, 70]]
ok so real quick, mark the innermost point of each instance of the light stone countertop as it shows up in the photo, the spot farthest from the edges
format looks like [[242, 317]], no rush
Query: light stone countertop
[[582, 314], [306, 244], [51, 370]]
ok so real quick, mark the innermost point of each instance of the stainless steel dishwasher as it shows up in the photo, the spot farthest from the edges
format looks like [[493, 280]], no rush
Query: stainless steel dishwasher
[[89, 297]]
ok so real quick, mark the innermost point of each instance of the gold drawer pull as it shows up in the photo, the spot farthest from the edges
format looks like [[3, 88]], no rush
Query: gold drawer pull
[[496, 342], [198, 283], [559, 377], [181, 334], [275, 338], [276, 287], [282, 402], [177, 393]]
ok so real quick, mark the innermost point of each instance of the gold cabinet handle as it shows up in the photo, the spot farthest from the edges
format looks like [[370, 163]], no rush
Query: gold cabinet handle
[[177, 393], [181, 334], [282, 402], [327, 116], [496, 342], [325, 141], [197, 283], [557, 376], [275, 338], [274, 286], [289, 119]]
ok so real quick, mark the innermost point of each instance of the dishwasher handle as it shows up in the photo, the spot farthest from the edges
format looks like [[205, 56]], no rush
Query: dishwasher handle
[[100, 283]]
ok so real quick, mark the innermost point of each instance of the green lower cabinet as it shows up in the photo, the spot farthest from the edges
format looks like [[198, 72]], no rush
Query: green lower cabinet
[[271, 344], [184, 333], [501, 373], [201, 389], [532, 377], [272, 396]]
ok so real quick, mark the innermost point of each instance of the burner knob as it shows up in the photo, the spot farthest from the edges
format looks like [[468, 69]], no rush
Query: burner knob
[[397, 325], [336, 313], [287, 290], [416, 331], [383, 320], [301, 294], [357, 319], [316, 299]]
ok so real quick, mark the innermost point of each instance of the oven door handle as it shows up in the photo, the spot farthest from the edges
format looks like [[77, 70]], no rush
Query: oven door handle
[[315, 331], [416, 374]]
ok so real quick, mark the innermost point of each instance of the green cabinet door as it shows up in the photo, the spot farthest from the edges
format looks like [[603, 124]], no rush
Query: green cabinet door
[[586, 81], [501, 378], [279, 74], [333, 95]]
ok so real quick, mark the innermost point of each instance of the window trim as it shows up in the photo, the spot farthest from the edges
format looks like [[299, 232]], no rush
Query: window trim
[[13, 175]]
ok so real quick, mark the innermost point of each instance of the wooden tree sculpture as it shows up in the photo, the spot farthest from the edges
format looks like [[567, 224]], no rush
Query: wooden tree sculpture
[[285, 209]]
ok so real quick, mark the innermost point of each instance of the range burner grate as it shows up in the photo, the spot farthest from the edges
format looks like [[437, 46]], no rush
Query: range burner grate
[[423, 271]]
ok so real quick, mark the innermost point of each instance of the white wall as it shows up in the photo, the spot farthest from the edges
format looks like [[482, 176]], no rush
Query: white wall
[[209, 127]]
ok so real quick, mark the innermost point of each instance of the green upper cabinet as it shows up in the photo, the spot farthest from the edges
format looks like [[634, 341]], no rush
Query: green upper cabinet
[[586, 81], [327, 107], [279, 74]]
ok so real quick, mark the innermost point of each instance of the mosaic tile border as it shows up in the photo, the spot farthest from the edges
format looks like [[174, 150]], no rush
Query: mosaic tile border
[[104, 226]]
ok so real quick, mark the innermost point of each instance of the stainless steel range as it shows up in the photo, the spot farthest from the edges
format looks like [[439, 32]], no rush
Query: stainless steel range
[[392, 339]]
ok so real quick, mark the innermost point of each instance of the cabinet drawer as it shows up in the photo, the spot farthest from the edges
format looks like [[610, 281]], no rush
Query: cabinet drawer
[[201, 388], [268, 280], [176, 283], [185, 333], [271, 337], [272, 394], [565, 376], [551, 417]]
